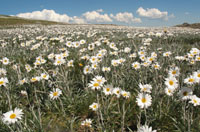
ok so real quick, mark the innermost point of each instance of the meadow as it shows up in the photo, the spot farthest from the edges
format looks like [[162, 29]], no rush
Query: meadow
[[99, 78]]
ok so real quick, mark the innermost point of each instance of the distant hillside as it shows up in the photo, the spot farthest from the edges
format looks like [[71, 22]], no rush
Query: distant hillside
[[12, 20], [194, 25]]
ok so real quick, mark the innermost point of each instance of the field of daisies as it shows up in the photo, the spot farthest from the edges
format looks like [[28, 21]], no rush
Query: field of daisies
[[99, 78]]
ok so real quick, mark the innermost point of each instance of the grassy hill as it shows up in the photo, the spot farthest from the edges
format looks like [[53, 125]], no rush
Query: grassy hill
[[12, 20], [194, 25]]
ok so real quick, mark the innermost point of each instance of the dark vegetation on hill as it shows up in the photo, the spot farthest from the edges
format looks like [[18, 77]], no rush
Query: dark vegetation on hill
[[11, 20], [194, 25]]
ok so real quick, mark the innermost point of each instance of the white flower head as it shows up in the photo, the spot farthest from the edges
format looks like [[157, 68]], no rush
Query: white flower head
[[145, 128], [12, 116], [5, 61], [87, 123], [117, 92], [94, 106], [136, 65], [171, 82], [125, 94], [3, 81], [194, 100], [144, 100], [107, 89], [145, 88], [55, 93]]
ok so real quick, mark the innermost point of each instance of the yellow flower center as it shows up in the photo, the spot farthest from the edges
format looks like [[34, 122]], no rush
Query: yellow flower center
[[13, 116], [191, 80], [1, 82], [125, 94], [34, 79], [96, 84], [173, 72], [95, 106], [135, 65], [55, 94], [144, 89], [107, 89], [99, 80], [44, 76], [195, 101], [155, 66], [144, 100], [171, 82], [169, 91], [58, 62], [198, 75]]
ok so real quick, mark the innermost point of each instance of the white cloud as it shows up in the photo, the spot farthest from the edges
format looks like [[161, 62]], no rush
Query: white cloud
[[78, 20], [45, 14], [126, 17], [153, 13], [95, 16]]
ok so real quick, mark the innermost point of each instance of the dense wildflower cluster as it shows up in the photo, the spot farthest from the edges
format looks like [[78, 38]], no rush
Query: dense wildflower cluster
[[98, 78]]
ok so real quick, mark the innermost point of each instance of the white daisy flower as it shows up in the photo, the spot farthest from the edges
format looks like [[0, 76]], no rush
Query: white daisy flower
[[95, 85], [55, 93], [171, 82], [101, 80], [94, 106], [44, 76], [3, 81], [5, 61], [12, 116], [87, 70], [125, 94], [167, 54], [70, 63], [190, 80], [117, 92], [196, 75], [145, 128], [194, 100], [174, 71], [136, 65], [86, 123], [108, 89], [145, 88], [144, 100], [105, 69], [169, 91]]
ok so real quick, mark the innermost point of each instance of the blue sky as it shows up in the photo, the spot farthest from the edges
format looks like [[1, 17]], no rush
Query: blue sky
[[124, 12]]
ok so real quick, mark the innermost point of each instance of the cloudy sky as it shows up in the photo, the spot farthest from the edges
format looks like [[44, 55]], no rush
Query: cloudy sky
[[122, 12]]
